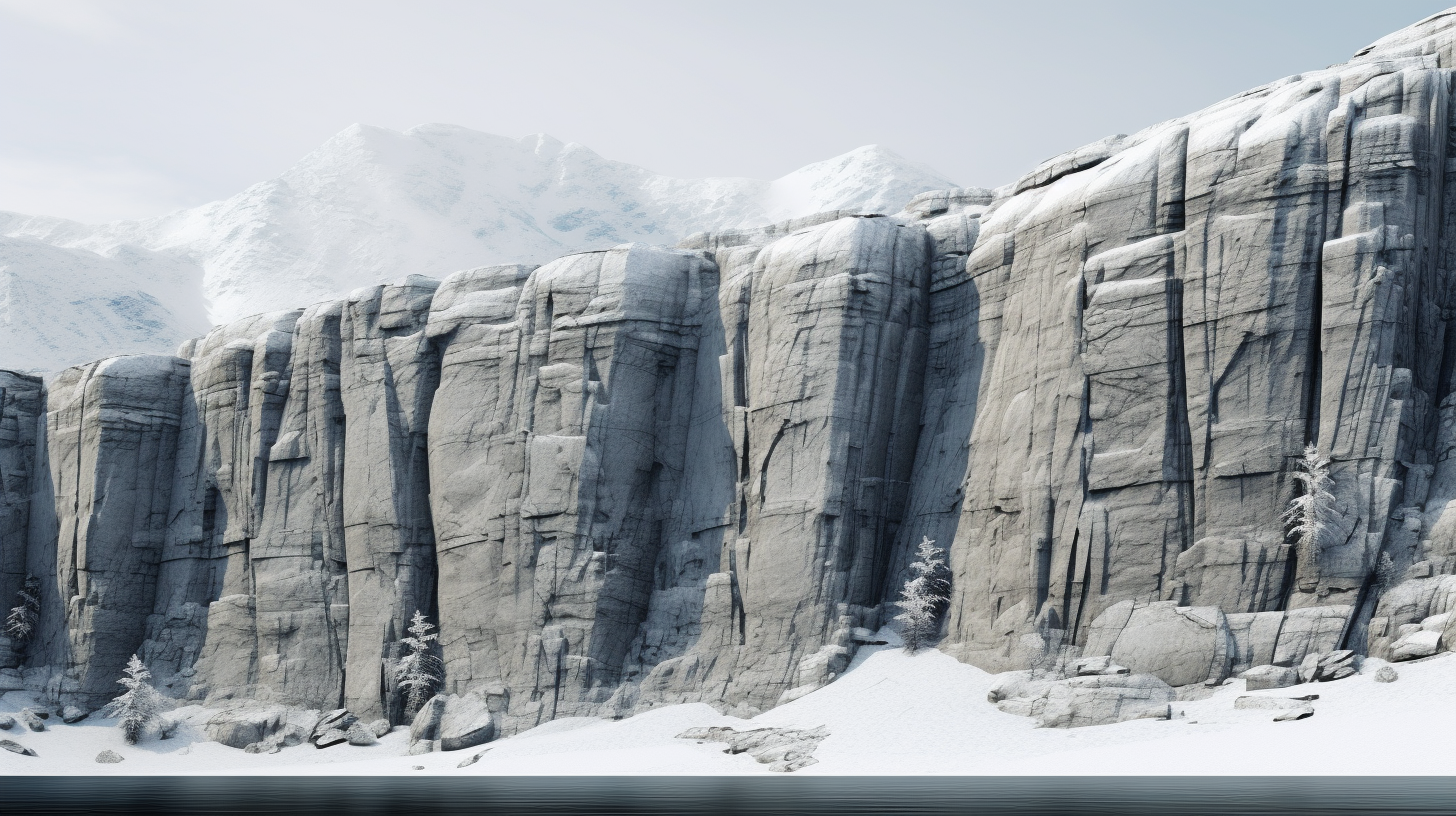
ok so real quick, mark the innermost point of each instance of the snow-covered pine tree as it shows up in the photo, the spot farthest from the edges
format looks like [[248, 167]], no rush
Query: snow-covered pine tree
[[418, 671], [1384, 572], [1309, 513], [923, 596], [20, 623], [139, 706]]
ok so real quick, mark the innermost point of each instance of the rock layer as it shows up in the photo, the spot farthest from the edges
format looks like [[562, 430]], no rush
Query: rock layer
[[646, 475]]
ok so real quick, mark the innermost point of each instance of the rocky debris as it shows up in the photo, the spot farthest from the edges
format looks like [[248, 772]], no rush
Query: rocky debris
[[267, 746], [1084, 700], [472, 759], [32, 719], [167, 727], [7, 722], [640, 476], [1247, 702], [452, 722], [379, 727], [109, 757], [466, 722], [1269, 677], [361, 735], [1386, 674], [1097, 665], [1301, 713], [72, 714], [243, 726], [425, 728], [782, 749], [16, 748], [332, 728], [1326, 667]]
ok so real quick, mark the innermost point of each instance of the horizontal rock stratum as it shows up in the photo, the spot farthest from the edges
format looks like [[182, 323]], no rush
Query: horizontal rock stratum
[[646, 475]]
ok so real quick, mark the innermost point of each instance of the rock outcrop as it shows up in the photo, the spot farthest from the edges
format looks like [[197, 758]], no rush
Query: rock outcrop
[[646, 475]]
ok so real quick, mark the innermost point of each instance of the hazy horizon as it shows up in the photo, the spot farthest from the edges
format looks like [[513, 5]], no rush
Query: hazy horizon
[[124, 110]]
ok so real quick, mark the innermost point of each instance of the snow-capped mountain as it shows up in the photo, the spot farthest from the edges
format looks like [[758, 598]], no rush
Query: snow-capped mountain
[[372, 205]]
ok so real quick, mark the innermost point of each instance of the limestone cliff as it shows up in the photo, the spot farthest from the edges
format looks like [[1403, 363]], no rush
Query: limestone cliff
[[650, 475]]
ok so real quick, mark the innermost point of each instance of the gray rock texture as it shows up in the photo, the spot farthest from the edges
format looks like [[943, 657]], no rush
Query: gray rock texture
[[643, 476]]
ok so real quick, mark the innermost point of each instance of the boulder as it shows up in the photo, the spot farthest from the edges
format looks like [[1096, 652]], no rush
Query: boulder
[[72, 714], [267, 746], [361, 735], [1104, 699], [466, 722], [109, 757], [7, 722], [340, 719], [330, 738], [245, 725], [425, 728], [1178, 645], [1420, 643], [379, 727], [1269, 677], [32, 719], [1258, 702], [16, 748], [1301, 713], [1386, 674], [1336, 665]]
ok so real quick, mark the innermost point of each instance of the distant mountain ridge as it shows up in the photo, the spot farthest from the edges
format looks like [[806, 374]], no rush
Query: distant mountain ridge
[[372, 205]]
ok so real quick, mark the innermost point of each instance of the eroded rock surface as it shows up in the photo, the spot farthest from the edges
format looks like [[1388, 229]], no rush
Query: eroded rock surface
[[643, 476]]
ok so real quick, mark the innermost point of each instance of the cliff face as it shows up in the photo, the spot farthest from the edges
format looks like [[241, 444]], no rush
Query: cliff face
[[645, 476]]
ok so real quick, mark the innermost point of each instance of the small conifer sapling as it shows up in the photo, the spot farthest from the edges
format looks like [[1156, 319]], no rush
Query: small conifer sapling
[[419, 671], [20, 623], [923, 596], [1309, 513], [140, 706]]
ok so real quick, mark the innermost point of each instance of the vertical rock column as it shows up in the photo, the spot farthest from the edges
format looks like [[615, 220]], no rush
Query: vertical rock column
[[279, 629], [837, 332], [552, 468], [112, 431], [389, 372], [21, 404], [230, 416]]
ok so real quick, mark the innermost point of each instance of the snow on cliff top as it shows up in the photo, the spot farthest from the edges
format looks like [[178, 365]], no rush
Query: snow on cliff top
[[369, 206], [890, 713]]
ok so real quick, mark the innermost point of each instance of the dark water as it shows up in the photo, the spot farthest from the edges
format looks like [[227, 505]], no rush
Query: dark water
[[399, 796]]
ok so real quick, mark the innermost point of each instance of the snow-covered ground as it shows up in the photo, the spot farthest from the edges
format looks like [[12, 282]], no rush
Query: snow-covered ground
[[891, 713]]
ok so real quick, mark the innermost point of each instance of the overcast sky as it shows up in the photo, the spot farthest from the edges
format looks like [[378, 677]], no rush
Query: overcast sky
[[128, 109]]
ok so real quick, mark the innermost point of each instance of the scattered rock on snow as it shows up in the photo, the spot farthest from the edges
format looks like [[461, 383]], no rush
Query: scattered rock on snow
[[379, 727], [361, 735], [109, 757], [782, 749], [472, 759], [16, 748], [7, 722], [1269, 677], [1248, 702], [32, 720], [466, 722], [340, 720], [244, 726], [1336, 665], [330, 738], [72, 714], [1293, 714], [1386, 674]]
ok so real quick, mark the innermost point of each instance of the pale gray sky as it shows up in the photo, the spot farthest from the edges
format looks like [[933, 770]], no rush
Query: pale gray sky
[[128, 109]]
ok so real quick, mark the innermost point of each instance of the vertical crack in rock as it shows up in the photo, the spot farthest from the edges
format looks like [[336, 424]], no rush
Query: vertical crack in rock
[[644, 476]]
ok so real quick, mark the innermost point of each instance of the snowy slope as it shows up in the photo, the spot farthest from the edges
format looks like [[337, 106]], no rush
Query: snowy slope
[[372, 205], [891, 713]]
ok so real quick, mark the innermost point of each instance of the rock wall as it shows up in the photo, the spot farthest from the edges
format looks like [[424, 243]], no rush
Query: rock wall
[[647, 475]]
